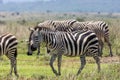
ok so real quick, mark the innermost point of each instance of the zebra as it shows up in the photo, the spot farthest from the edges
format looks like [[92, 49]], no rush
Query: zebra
[[8, 47], [100, 28], [78, 43], [55, 26]]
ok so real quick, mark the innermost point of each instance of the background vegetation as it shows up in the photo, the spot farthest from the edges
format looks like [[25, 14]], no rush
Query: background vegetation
[[30, 68]]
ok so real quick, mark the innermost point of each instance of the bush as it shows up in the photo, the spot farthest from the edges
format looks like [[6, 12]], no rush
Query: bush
[[2, 22], [80, 19]]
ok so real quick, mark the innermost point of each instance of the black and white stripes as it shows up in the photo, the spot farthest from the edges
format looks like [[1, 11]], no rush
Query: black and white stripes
[[78, 43], [56, 26], [99, 27], [8, 47]]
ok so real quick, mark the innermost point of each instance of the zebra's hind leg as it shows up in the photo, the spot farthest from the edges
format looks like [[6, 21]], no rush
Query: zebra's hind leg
[[10, 56], [109, 45], [101, 47], [83, 62], [98, 62], [53, 57], [15, 68], [15, 63]]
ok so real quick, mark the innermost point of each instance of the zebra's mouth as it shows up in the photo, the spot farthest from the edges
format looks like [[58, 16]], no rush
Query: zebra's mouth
[[33, 48], [28, 53]]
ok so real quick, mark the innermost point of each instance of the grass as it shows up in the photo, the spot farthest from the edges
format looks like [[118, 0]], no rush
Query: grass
[[31, 68]]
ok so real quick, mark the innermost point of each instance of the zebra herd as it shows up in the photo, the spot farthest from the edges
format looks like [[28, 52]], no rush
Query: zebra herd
[[70, 38]]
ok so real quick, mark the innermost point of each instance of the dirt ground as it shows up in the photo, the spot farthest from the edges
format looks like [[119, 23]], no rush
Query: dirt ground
[[114, 59], [110, 60]]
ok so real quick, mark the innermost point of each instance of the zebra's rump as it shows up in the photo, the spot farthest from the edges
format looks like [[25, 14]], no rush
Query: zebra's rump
[[8, 43], [81, 43]]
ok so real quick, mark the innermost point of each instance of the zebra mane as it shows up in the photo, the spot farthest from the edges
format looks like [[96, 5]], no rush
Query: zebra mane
[[44, 29]]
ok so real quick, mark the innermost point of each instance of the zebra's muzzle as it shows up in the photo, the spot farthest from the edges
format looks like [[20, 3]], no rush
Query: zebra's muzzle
[[28, 53], [33, 48]]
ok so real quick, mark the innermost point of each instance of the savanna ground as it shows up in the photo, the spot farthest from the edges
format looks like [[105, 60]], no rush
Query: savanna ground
[[32, 68]]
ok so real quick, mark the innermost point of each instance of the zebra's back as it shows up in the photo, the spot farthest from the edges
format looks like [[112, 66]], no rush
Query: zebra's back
[[73, 43], [57, 25]]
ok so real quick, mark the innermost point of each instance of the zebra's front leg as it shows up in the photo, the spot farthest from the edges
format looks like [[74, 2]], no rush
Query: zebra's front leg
[[38, 53], [59, 64], [83, 62], [98, 62], [48, 51], [53, 57]]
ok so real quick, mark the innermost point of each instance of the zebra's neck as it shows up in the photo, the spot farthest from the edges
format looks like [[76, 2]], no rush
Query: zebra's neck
[[48, 38]]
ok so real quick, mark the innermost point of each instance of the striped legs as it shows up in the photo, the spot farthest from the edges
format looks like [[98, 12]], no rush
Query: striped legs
[[38, 53], [109, 45], [13, 66], [98, 62], [101, 47], [53, 57], [59, 64], [13, 62], [83, 62]]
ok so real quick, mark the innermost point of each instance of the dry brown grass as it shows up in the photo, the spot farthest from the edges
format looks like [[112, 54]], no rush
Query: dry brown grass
[[19, 24]]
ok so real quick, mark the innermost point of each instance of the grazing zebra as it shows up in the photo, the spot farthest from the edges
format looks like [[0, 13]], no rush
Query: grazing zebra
[[78, 43], [55, 26], [8, 47]]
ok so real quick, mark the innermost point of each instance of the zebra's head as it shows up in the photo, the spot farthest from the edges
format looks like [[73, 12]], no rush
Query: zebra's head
[[34, 40]]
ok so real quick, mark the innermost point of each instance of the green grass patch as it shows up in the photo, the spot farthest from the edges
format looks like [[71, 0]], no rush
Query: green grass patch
[[31, 68]]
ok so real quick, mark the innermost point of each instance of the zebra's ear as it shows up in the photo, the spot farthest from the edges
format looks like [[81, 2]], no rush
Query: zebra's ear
[[31, 29]]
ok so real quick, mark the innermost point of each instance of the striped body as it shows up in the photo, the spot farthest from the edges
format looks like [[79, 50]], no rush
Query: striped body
[[99, 27], [55, 26], [82, 43], [72, 44], [8, 47], [58, 25]]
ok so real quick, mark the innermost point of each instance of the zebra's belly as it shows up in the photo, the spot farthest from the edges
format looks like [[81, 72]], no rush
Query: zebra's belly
[[71, 54]]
